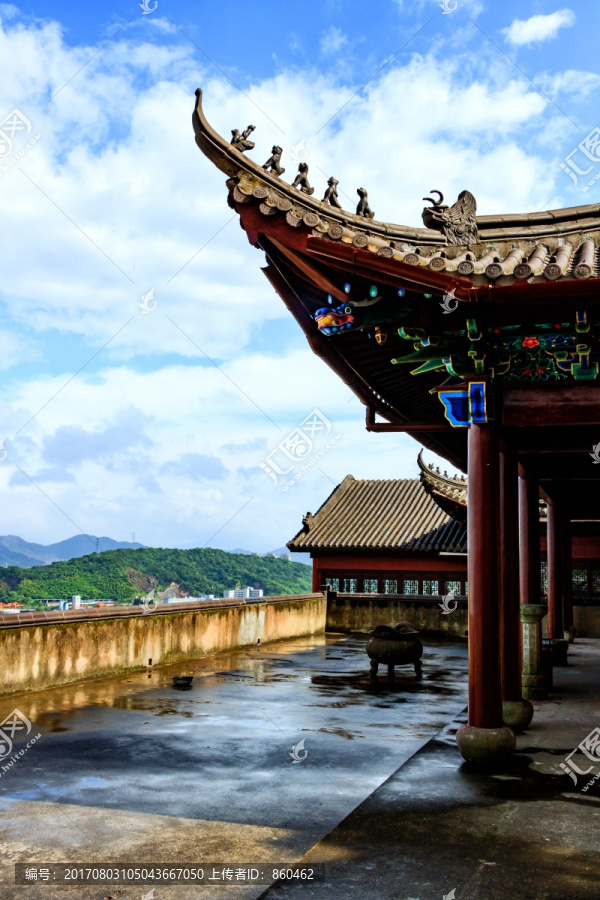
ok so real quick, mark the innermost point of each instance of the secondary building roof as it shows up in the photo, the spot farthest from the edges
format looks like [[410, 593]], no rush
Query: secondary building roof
[[381, 515]]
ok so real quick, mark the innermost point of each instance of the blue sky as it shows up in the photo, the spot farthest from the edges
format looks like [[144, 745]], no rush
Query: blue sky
[[162, 418]]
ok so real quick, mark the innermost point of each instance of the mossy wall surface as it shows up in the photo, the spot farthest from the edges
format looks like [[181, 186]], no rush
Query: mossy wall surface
[[37, 657]]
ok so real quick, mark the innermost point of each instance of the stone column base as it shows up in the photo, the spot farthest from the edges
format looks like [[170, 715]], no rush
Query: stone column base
[[485, 745], [534, 687], [517, 714]]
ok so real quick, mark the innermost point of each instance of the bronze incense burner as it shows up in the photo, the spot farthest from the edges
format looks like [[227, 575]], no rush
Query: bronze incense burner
[[397, 646]]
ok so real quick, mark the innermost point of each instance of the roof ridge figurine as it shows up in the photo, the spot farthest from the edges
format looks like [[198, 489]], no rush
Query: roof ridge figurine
[[301, 180], [331, 194], [363, 208], [458, 223], [240, 141], [273, 163], [307, 521]]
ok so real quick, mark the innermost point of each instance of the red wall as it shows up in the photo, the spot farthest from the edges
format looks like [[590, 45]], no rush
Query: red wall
[[581, 547]]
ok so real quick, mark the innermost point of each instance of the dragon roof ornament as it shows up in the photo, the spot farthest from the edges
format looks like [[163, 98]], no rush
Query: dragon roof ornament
[[458, 223]]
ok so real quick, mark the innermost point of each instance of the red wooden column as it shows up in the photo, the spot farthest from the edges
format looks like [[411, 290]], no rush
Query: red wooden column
[[517, 712], [485, 738], [510, 623], [529, 538], [555, 571], [567, 577]]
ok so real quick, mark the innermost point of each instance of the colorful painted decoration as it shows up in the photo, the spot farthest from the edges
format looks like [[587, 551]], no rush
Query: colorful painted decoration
[[401, 292], [372, 291], [347, 288], [374, 310], [334, 321], [545, 352], [533, 366], [581, 324], [464, 406]]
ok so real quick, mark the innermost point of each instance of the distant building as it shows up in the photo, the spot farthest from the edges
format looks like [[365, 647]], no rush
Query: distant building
[[11, 608], [80, 604], [23, 609], [101, 602], [287, 556], [246, 593], [203, 599]]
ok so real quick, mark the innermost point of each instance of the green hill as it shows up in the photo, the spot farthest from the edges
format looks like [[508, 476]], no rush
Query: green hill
[[124, 574]]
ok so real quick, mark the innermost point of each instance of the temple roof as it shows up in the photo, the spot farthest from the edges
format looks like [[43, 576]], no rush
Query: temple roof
[[382, 515], [469, 320], [532, 248]]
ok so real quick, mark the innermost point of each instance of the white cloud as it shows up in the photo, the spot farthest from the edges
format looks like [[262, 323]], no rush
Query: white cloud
[[8, 11], [524, 32], [410, 6], [333, 41], [14, 349], [157, 485], [573, 83], [131, 195]]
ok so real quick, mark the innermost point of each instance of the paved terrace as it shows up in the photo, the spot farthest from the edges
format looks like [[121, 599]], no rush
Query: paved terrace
[[523, 832], [130, 769]]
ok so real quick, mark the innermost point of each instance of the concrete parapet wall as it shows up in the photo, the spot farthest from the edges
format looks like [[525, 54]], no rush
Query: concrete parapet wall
[[33, 657], [363, 612]]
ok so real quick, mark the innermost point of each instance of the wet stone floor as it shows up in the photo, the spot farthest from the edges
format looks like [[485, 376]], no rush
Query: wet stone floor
[[130, 769]]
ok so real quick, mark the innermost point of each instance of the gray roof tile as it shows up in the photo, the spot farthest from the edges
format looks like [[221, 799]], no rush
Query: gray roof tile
[[395, 514]]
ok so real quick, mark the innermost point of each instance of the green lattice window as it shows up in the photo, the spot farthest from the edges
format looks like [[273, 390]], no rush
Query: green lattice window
[[430, 588], [350, 585], [390, 586], [580, 582], [411, 586], [333, 583], [370, 585]]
